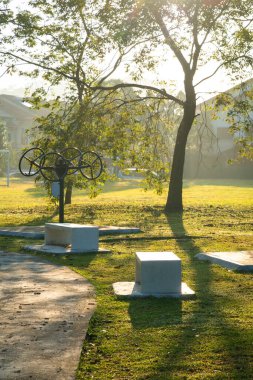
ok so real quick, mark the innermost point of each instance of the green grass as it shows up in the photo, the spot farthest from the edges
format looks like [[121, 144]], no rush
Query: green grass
[[210, 337]]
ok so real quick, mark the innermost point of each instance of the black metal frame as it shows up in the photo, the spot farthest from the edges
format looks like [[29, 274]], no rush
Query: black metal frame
[[54, 166]]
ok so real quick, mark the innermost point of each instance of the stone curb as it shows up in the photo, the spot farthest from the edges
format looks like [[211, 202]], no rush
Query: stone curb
[[103, 231], [240, 261]]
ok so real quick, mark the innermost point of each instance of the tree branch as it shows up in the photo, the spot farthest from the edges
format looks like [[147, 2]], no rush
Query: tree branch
[[169, 40], [41, 65], [120, 58], [223, 64], [196, 44], [162, 92]]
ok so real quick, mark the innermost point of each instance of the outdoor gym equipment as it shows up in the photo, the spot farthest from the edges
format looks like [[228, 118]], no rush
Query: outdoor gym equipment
[[54, 166]]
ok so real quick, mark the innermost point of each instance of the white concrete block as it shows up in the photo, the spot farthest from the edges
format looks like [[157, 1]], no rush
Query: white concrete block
[[79, 237], [158, 272]]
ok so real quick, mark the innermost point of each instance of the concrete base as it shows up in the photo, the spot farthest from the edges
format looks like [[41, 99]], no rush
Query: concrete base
[[239, 261], [58, 249], [133, 290]]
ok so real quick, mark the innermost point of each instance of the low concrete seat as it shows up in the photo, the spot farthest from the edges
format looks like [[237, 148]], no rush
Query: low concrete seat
[[157, 274], [78, 237]]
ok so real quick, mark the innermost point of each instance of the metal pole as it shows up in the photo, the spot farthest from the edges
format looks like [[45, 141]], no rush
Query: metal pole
[[61, 201], [8, 169]]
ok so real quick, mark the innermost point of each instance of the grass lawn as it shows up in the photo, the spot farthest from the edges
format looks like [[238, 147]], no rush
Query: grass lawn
[[210, 337]]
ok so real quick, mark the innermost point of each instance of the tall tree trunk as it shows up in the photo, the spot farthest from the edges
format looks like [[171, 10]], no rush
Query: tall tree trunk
[[175, 194], [68, 193]]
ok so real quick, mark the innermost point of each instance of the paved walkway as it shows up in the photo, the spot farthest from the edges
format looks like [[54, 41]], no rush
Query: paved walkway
[[44, 314]]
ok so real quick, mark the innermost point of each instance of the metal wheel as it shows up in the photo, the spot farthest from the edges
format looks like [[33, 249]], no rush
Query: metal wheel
[[72, 155], [49, 166], [90, 165], [29, 163]]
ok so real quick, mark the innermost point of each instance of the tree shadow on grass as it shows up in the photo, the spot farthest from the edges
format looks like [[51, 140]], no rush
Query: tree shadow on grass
[[153, 312], [204, 334], [43, 219]]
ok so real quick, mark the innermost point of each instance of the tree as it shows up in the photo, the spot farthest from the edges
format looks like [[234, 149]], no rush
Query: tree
[[6, 16], [194, 32], [82, 116], [130, 137], [63, 129]]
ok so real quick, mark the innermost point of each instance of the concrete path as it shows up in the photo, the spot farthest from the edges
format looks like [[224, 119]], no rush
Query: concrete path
[[44, 314]]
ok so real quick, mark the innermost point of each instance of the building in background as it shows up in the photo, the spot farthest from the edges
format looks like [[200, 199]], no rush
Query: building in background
[[211, 145], [17, 117]]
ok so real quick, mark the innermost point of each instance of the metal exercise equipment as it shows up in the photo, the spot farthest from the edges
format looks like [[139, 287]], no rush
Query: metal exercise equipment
[[54, 166]]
